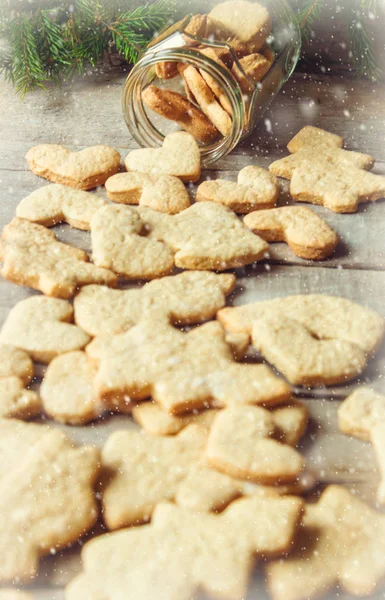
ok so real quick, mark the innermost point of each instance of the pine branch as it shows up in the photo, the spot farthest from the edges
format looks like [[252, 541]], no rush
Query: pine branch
[[53, 43], [25, 69], [309, 13], [362, 56]]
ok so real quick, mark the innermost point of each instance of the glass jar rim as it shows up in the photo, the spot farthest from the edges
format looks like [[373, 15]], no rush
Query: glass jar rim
[[144, 131]]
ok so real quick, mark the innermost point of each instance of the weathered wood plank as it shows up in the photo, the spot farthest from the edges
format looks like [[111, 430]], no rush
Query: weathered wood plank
[[354, 109], [362, 239]]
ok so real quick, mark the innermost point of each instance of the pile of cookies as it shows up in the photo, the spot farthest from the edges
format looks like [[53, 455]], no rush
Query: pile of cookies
[[213, 481], [233, 35]]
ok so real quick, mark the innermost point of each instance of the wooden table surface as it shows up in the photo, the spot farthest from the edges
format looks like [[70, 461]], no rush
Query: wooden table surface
[[89, 112]]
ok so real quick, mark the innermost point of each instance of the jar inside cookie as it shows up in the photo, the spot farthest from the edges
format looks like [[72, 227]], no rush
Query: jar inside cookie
[[212, 75]]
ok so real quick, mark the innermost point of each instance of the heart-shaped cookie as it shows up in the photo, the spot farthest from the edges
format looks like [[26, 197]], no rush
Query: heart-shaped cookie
[[83, 170], [304, 360], [306, 234], [179, 156], [159, 192], [255, 188]]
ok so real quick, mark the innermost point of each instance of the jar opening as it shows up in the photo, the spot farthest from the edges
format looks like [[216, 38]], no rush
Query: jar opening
[[148, 130]]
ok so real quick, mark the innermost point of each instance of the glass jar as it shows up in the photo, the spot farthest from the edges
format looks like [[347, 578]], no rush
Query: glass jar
[[177, 45]]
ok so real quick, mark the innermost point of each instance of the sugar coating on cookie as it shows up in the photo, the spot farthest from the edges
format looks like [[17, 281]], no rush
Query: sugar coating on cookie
[[255, 189], [15, 362], [159, 192], [58, 203], [187, 371], [32, 256], [229, 245], [362, 415], [85, 169], [306, 234], [340, 542], [187, 298], [240, 444], [156, 421], [311, 361], [290, 420], [179, 156], [47, 498], [335, 337], [360, 412], [119, 243], [132, 486], [184, 551], [17, 402], [323, 173], [67, 390], [42, 327]]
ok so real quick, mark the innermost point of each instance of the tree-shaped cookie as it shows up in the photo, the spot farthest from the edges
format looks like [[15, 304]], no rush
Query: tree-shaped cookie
[[187, 298], [46, 499], [42, 327], [182, 552], [254, 189], [131, 486], [362, 415], [16, 371], [341, 541], [32, 256], [58, 203], [311, 339], [186, 370], [322, 172]]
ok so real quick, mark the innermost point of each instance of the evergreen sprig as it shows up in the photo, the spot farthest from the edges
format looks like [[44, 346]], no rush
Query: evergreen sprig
[[360, 42], [57, 41]]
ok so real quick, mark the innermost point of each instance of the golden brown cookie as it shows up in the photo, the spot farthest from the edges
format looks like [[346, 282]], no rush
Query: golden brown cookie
[[247, 21], [57, 203], [47, 499], [85, 169], [179, 156], [312, 339], [187, 370], [182, 552], [32, 256], [175, 107], [362, 415], [230, 244], [249, 70], [240, 444], [255, 189], [137, 256], [207, 101], [341, 542], [188, 298], [159, 192], [42, 327], [306, 234], [322, 173]]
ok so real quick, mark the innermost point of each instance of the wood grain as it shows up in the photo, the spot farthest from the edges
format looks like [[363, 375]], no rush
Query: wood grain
[[89, 113]]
